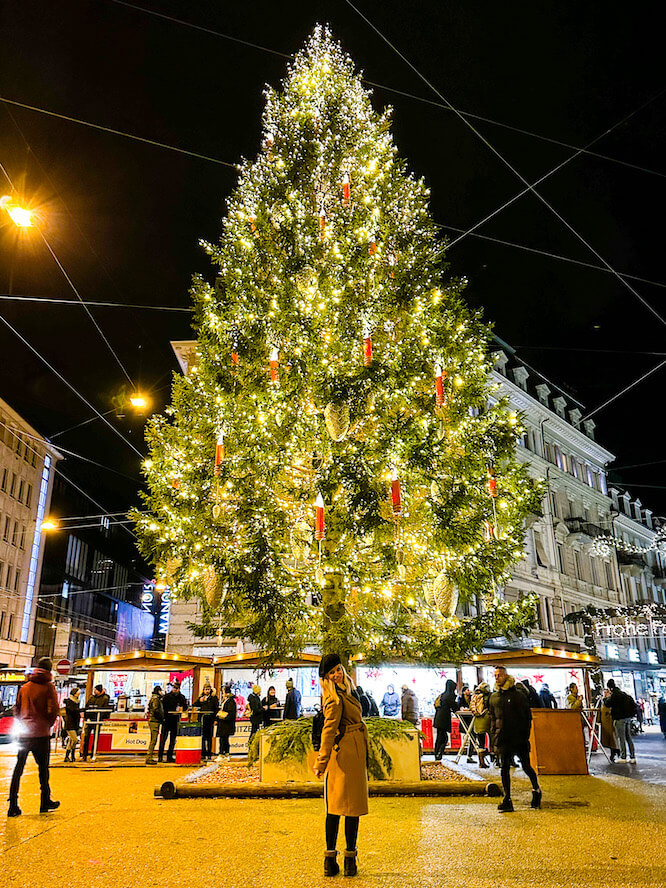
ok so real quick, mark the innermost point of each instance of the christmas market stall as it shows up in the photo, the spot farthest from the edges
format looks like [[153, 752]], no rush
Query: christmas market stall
[[128, 679], [244, 670], [561, 739]]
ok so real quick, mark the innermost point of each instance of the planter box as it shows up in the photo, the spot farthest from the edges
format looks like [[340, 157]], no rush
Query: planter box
[[405, 755]]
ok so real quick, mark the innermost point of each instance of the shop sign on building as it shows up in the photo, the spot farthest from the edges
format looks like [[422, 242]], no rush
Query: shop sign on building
[[630, 629], [61, 643]]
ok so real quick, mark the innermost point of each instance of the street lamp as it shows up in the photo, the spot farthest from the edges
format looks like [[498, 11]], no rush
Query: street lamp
[[138, 401], [50, 524], [21, 217]]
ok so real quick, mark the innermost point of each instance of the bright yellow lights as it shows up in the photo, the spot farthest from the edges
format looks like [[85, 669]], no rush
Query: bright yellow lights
[[21, 217], [50, 524], [138, 401]]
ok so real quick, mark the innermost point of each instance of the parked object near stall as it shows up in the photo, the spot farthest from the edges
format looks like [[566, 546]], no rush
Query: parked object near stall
[[557, 741]]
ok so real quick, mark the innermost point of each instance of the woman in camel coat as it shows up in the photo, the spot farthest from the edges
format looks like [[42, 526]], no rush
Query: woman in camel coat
[[342, 760]]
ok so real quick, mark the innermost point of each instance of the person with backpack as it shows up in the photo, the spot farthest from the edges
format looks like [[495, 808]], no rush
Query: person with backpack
[[445, 704], [479, 705], [623, 709], [342, 760]]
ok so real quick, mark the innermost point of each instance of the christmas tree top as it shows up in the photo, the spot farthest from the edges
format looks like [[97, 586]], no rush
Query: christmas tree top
[[334, 470]]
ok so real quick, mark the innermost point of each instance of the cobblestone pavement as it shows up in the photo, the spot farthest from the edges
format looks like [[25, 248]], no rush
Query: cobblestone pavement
[[110, 832]]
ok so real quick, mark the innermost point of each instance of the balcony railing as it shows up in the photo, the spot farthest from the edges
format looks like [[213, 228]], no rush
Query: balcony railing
[[585, 528]]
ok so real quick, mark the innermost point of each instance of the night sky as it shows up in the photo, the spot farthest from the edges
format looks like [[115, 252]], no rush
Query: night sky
[[124, 218]]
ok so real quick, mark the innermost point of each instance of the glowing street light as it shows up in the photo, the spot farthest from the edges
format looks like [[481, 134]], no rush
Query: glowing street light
[[50, 524], [19, 215], [138, 401]]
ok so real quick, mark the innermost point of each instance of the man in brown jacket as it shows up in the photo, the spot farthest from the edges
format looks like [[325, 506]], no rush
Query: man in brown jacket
[[36, 710]]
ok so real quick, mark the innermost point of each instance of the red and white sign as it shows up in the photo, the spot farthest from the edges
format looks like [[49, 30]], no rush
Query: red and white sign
[[63, 667]]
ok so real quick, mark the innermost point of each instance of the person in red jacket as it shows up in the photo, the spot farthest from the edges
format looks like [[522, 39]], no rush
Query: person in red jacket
[[36, 710]]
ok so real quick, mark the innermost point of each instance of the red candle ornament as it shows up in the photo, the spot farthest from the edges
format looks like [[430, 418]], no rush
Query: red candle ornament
[[346, 190], [322, 224], [235, 359], [396, 497], [253, 227], [219, 451], [367, 348], [440, 376], [320, 520], [274, 364], [372, 247], [492, 483]]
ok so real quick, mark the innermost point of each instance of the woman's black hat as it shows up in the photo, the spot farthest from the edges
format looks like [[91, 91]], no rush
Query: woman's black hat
[[328, 662]]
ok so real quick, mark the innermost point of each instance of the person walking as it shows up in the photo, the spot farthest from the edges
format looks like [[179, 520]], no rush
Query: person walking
[[510, 721], [293, 708], [36, 710], [445, 704], [97, 710], [608, 736], [342, 760], [409, 706], [479, 705], [532, 694], [390, 703], [547, 699], [623, 709], [465, 718], [254, 710], [155, 722], [226, 725], [574, 699], [174, 704], [72, 723], [208, 705]]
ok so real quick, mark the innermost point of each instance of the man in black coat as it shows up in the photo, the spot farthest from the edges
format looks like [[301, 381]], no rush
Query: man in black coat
[[532, 694], [445, 704], [623, 709], [510, 722], [98, 708], [293, 708], [174, 704]]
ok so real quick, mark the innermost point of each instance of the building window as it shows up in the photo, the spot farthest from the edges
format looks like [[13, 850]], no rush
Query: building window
[[560, 558], [546, 617], [10, 628], [15, 534], [540, 550], [5, 475], [12, 486], [19, 495], [8, 581], [28, 495], [5, 533], [555, 505], [578, 566], [2, 621], [17, 579]]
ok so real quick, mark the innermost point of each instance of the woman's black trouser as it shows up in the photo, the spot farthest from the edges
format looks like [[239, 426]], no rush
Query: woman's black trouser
[[441, 742], [332, 827]]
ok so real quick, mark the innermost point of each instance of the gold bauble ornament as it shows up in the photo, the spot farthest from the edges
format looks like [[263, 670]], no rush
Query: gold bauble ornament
[[306, 279], [320, 576], [337, 420], [217, 511], [301, 540], [172, 566], [445, 594], [402, 572], [211, 585]]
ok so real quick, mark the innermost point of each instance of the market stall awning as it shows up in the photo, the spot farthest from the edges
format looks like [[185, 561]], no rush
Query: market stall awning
[[134, 661], [254, 660], [552, 658]]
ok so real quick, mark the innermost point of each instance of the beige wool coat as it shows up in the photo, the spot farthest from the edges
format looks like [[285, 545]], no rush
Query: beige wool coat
[[344, 759]]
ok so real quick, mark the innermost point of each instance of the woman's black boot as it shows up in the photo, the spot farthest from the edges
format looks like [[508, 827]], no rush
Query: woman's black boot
[[350, 863], [331, 867]]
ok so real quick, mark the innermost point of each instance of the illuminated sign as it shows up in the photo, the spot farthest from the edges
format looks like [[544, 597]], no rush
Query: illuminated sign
[[612, 652], [630, 629], [6, 677], [633, 655], [165, 612], [653, 658]]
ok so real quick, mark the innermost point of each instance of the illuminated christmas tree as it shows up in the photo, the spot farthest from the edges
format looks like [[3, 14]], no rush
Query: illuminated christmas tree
[[334, 470]]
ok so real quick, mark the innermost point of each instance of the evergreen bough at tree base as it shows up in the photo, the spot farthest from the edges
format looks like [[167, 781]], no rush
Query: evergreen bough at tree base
[[336, 358], [291, 740]]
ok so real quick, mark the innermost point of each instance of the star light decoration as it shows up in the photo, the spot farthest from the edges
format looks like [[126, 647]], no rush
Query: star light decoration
[[342, 365]]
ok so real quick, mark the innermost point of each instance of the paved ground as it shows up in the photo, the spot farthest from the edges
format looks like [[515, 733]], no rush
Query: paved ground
[[650, 759], [606, 832]]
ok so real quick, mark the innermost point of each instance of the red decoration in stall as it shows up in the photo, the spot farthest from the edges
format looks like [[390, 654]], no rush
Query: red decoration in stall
[[320, 520]]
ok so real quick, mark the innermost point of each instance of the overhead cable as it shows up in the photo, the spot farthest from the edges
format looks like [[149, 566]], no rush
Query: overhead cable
[[508, 164]]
